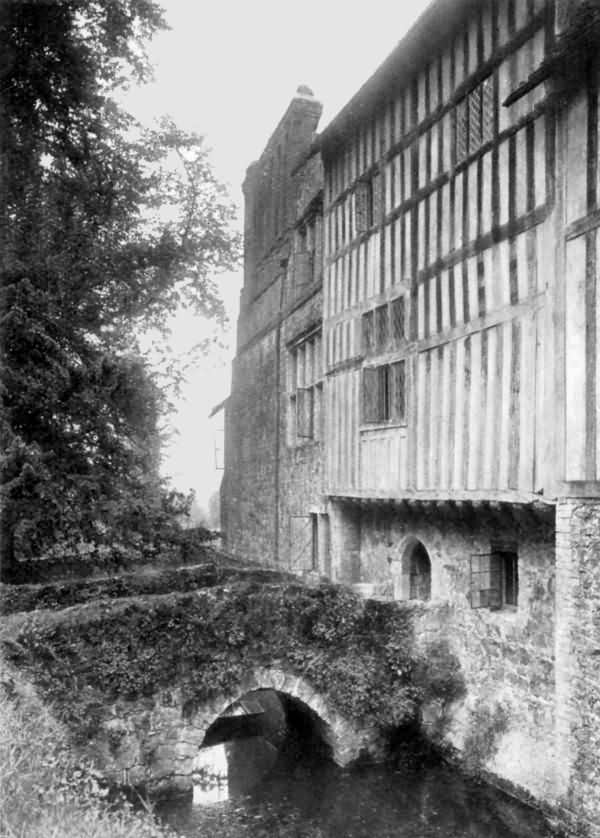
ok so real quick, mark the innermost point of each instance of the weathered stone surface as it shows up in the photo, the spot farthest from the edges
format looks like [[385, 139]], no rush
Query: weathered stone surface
[[506, 722], [270, 478], [161, 754], [577, 652]]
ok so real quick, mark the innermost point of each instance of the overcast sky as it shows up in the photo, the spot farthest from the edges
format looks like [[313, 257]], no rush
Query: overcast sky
[[228, 70]]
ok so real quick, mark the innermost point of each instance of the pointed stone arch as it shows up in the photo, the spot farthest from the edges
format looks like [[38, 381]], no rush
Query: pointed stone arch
[[412, 570]]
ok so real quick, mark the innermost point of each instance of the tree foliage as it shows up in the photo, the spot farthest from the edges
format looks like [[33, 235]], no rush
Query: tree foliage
[[105, 228]]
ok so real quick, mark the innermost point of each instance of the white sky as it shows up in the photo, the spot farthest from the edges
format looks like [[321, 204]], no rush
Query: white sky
[[228, 70]]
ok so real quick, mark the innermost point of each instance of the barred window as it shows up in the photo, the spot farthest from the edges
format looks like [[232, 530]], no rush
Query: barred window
[[383, 327], [494, 579]]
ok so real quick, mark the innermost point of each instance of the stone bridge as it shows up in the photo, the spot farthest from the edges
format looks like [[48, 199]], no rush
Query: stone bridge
[[141, 679], [155, 743]]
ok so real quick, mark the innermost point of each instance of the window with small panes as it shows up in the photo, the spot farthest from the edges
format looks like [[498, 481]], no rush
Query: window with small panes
[[305, 390]]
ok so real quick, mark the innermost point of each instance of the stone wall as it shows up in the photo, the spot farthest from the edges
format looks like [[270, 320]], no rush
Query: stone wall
[[577, 659], [153, 742], [506, 723], [249, 488], [300, 484], [267, 481]]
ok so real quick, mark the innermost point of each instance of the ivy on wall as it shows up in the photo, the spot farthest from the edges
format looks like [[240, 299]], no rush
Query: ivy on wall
[[69, 592], [358, 654]]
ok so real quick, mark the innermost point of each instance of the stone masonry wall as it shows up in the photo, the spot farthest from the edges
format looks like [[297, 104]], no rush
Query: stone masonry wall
[[577, 659], [255, 414], [506, 723], [153, 742], [249, 489], [300, 485]]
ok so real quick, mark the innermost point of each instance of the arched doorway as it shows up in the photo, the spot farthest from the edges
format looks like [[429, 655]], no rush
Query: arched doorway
[[412, 572], [419, 570]]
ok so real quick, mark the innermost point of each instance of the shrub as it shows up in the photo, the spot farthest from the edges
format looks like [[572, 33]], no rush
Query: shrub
[[46, 793]]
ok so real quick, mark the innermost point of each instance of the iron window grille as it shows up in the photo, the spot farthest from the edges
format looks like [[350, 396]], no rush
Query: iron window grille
[[494, 581]]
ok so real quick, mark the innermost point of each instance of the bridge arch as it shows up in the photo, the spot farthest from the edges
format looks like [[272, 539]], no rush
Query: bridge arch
[[154, 742], [345, 739]]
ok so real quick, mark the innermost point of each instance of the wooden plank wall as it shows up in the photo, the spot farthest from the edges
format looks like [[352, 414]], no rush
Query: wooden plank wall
[[580, 447], [461, 233]]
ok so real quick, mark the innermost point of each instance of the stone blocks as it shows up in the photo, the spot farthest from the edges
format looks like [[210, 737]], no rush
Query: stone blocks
[[157, 748]]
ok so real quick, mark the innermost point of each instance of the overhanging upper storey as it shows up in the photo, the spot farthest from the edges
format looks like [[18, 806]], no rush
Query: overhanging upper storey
[[440, 263]]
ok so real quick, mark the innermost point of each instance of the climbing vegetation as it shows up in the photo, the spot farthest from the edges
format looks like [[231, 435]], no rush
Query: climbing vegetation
[[358, 654], [44, 789]]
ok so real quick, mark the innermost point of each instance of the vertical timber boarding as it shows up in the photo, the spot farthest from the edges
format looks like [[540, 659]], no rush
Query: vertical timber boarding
[[577, 295], [462, 190]]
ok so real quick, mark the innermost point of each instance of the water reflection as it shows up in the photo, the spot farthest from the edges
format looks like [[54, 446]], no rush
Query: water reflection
[[267, 770], [211, 776], [321, 799], [231, 769]]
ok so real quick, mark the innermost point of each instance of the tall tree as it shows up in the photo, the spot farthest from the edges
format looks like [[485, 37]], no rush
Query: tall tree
[[104, 229]]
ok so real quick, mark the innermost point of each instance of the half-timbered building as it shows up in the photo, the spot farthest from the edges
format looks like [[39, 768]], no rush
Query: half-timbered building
[[458, 388]]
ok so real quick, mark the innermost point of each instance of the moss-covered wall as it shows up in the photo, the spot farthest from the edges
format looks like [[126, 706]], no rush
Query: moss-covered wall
[[359, 657]]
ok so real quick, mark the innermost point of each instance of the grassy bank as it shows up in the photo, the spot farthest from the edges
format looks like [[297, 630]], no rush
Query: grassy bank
[[44, 791], [63, 594]]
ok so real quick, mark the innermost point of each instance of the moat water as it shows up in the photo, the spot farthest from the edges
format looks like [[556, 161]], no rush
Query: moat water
[[258, 794]]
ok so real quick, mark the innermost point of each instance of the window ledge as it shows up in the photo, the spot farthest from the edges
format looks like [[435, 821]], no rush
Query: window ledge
[[301, 446], [381, 426]]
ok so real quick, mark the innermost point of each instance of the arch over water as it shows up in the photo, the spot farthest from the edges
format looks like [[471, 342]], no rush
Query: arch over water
[[345, 739]]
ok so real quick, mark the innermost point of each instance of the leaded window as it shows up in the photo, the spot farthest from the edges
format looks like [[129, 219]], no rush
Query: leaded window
[[474, 119], [384, 393], [383, 327], [305, 389]]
